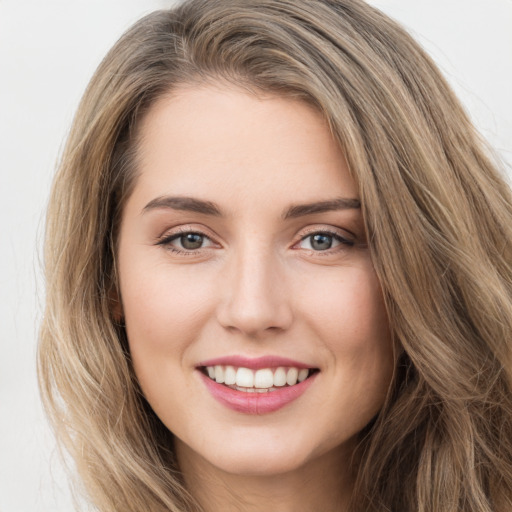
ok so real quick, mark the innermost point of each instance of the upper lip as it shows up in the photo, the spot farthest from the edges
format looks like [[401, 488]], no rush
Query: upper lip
[[254, 363]]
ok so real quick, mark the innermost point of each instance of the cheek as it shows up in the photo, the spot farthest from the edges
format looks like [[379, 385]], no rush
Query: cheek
[[349, 309], [349, 317], [164, 312], [161, 301]]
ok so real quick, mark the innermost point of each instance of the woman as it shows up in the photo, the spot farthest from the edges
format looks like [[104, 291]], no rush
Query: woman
[[279, 272]]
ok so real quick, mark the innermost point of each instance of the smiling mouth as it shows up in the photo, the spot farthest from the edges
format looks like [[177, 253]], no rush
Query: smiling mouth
[[263, 380]]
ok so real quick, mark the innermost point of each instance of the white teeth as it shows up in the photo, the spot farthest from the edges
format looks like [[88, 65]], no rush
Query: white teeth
[[280, 377], [262, 380], [219, 374], [229, 375], [245, 378], [303, 374], [291, 376]]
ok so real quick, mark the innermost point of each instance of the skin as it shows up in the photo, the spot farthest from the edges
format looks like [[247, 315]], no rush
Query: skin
[[257, 286]]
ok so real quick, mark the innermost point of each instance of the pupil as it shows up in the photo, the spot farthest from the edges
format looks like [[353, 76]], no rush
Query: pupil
[[191, 241], [321, 242]]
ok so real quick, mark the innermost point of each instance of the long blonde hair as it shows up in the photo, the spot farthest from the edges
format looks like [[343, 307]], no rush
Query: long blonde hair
[[439, 222]]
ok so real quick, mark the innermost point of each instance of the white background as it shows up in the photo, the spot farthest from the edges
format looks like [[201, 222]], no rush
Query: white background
[[48, 51]]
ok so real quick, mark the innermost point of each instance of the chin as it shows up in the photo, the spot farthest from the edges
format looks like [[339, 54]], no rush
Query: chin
[[260, 454], [261, 463]]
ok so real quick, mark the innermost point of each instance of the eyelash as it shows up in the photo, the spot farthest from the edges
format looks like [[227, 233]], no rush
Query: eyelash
[[167, 240], [344, 243]]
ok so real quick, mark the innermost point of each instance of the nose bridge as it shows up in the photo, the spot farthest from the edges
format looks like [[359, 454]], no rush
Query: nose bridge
[[255, 298]]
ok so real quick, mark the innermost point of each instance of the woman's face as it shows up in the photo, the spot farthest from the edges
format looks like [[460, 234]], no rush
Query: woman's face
[[243, 270]]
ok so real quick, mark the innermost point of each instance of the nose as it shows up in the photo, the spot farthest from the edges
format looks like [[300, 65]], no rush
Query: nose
[[254, 301]]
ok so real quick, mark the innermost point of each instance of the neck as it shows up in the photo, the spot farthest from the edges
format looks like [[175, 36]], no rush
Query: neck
[[321, 484]]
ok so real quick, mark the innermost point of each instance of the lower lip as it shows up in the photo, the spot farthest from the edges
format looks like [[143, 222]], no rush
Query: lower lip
[[256, 403]]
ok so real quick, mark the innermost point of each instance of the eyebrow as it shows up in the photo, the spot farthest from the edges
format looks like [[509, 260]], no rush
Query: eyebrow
[[188, 204], [340, 203], [192, 204]]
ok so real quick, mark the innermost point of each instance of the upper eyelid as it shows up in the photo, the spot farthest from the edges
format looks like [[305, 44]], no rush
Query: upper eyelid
[[183, 229], [331, 230]]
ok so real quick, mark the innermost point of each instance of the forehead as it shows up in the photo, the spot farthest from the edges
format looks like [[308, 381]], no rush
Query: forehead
[[226, 142]]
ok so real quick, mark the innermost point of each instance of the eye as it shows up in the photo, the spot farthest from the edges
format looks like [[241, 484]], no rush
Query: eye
[[323, 241], [186, 241], [191, 241]]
